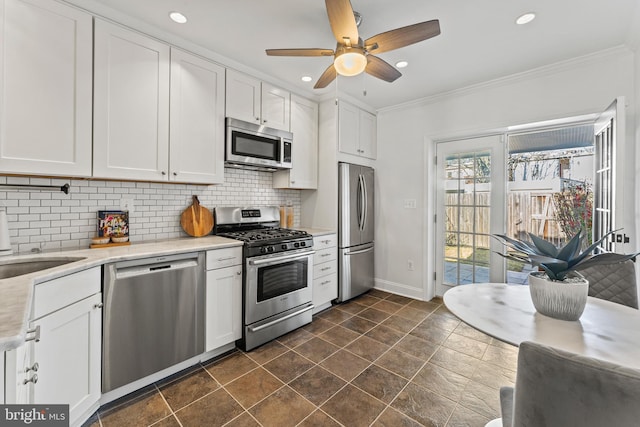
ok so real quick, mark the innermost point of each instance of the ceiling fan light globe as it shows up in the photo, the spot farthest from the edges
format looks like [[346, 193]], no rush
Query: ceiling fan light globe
[[350, 63]]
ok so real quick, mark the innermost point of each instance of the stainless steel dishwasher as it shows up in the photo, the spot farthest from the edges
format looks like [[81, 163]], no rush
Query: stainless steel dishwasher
[[153, 316]]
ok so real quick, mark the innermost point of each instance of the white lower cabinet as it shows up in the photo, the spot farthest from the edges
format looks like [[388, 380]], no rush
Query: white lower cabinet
[[61, 361], [223, 306], [325, 271]]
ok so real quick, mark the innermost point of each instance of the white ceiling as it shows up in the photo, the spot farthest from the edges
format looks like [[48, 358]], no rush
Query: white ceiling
[[479, 39]]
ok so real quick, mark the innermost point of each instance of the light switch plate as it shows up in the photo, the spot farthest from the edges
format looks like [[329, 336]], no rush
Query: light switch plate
[[410, 203]]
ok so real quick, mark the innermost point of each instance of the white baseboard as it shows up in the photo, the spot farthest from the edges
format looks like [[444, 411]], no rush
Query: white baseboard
[[399, 289]]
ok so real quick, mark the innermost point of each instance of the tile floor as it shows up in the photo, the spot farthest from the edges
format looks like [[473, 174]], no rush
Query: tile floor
[[378, 360]]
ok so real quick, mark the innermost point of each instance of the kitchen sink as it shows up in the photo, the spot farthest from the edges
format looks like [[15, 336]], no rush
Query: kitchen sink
[[19, 267]]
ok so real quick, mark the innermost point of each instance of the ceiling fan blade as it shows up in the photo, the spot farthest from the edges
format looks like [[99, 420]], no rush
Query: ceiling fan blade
[[327, 77], [404, 36], [342, 20], [300, 52], [381, 69]]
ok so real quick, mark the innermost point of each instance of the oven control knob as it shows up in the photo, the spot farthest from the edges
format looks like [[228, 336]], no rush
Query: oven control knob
[[270, 249], [284, 247], [296, 244], [263, 250], [303, 244]]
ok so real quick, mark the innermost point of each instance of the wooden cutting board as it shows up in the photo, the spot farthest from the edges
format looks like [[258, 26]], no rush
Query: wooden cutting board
[[196, 220]]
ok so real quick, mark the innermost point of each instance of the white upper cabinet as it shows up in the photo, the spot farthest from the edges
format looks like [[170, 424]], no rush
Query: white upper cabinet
[[196, 119], [304, 151], [254, 101], [275, 107], [357, 130], [367, 136], [45, 93], [131, 105], [243, 97]]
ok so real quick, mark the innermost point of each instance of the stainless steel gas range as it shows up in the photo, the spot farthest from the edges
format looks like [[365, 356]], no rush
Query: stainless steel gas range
[[278, 272]]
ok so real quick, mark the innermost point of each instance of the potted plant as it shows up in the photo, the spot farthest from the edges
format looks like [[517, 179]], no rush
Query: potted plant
[[558, 290]]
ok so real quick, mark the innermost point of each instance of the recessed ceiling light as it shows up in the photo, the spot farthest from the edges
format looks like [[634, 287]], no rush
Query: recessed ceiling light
[[525, 18], [306, 79], [178, 17], [401, 64]]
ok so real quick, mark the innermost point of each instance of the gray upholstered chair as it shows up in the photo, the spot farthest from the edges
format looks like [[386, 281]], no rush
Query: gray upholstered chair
[[556, 388], [613, 282]]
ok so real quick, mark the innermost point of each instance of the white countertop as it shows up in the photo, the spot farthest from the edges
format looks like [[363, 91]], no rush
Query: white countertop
[[16, 293]]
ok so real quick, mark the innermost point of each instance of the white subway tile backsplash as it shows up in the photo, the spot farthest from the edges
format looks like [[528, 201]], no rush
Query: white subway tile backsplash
[[54, 220]]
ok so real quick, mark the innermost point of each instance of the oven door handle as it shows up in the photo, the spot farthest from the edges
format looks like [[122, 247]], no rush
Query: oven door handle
[[281, 258], [281, 319]]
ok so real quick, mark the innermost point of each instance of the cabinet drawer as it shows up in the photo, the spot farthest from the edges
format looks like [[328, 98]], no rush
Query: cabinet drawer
[[325, 255], [325, 269], [63, 291], [220, 258], [325, 289], [326, 241]]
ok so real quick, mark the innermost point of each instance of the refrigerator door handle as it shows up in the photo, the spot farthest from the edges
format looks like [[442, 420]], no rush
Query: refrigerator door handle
[[365, 202], [362, 251], [362, 201]]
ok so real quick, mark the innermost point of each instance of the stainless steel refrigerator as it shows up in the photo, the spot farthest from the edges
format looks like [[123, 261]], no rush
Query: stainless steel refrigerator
[[355, 230]]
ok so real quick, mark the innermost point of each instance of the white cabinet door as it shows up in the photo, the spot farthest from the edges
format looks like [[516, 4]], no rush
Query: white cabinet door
[[243, 97], [131, 105], [46, 84], [275, 107], [357, 131], [254, 101], [223, 307], [196, 120], [367, 135], [348, 128], [304, 125], [69, 357]]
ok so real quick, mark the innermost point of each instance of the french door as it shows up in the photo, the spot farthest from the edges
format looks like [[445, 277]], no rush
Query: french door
[[609, 138], [470, 206]]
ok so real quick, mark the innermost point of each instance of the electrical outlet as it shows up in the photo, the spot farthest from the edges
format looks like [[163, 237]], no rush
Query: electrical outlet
[[126, 204], [410, 266]]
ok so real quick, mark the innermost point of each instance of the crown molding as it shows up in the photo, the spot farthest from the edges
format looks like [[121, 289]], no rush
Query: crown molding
[[545, 70]]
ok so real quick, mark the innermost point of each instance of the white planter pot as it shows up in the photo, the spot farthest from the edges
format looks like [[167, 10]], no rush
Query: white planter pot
[[561, 300]]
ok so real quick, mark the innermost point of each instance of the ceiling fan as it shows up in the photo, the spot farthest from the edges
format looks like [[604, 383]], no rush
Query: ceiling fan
[[352, 56]]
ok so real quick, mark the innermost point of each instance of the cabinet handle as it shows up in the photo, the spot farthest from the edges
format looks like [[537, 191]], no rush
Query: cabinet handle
[[264, 121], [175, 174], [36, 334], [98, 305], [323, 255], [326, 242], [238, 273], [33, 379], [163, 173], [325, 269], [293, 181], [257, 119], [33, 368], [326, 282], [226, 258]]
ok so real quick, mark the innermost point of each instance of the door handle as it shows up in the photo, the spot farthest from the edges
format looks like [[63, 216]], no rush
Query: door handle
[[282, 319], [363, 251]]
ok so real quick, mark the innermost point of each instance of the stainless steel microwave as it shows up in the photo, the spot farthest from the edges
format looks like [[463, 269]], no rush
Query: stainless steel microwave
[[254, 146]]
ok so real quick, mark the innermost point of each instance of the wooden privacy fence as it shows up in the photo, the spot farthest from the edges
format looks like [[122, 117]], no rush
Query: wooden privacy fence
[[526, 212]]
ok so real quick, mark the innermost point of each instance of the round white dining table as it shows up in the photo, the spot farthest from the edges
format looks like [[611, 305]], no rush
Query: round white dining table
[[606, 330]]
